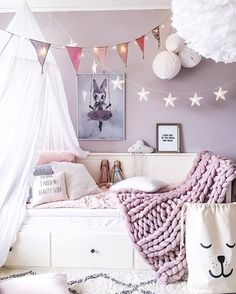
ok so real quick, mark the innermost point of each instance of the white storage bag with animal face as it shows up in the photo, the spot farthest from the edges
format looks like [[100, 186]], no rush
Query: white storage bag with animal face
[[211, 247]]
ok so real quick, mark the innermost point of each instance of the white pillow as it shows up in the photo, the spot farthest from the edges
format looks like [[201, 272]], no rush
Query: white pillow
[[48, 188], [78, 180], [52, 283], [144, 184]]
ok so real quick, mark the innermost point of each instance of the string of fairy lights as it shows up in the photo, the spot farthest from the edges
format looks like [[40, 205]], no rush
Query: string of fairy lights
[[143, 94], [170, 100], [77, 52]]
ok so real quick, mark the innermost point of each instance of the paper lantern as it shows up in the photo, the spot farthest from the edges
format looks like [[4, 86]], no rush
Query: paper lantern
[[208, 27], [166, 65], [174, 43], [188, 57]]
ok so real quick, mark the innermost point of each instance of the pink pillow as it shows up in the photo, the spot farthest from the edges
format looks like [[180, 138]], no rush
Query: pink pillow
[[52, 283], [49, 156]]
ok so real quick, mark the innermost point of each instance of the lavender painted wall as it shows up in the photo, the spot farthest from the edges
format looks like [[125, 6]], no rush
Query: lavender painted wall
[[210, 127]]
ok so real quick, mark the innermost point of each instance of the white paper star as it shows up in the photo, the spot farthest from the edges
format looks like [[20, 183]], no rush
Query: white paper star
[[94, 67], [170, 100], [117, 83], [195, 100], [84, 94], [220, 94], [143, 95]]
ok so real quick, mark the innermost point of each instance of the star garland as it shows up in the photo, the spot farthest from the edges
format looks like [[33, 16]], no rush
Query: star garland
[[117, 83], [170, 100], [220, 94], [195, 100], [94, 67], [143, 95]]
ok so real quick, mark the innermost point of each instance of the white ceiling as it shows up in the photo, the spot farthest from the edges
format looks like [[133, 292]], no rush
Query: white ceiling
[[85, 5]]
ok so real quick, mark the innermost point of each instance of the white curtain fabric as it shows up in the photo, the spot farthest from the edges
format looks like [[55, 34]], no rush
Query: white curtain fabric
[[33, 116]]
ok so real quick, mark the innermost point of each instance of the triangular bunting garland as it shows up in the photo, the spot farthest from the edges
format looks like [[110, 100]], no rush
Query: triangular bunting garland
[[123, 51], [75, 54], [100, 53], [140, 42], [156, 34], [41, 50]]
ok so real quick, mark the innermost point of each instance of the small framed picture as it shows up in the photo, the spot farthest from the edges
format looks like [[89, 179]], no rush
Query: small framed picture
[[168, 137], [101, 106]]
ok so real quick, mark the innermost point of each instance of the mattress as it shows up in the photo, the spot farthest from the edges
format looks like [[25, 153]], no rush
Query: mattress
[[71, 212], [78, 219]]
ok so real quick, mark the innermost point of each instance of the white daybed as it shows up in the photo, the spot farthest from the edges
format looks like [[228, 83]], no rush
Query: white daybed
[[91, 238]]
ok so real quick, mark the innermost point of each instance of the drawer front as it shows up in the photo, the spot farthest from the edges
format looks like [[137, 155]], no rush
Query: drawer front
[[30, 249], [139, 263], [91, 250]]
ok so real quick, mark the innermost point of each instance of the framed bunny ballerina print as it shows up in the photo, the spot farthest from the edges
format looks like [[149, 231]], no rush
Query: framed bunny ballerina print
[[101, 106]]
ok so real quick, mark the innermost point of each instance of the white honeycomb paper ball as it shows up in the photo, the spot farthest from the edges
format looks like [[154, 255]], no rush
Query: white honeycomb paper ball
[[166, 65], [174, 43], [188, 57]]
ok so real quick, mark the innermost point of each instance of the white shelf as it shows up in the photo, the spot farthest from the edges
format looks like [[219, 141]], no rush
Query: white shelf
[[95, 154]]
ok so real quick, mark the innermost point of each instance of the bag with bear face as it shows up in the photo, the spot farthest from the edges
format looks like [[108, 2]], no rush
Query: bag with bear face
[[211, 247]]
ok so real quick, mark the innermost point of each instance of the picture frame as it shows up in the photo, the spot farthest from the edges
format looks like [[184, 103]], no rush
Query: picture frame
[[101, 106], [168, 137]]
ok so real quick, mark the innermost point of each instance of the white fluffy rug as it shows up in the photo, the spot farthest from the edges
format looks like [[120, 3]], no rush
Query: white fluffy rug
[[111, 282]]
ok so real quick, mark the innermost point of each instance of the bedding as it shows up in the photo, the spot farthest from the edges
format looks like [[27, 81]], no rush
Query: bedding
[[153, 220], [39, 170], [49, 156], [101, 200], [68, 212], [52, 219], [44, 169], [48, 188], [79, 182], [144, 184]]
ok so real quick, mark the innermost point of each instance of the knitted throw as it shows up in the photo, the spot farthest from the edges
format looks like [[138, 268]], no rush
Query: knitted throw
[[153, 219]]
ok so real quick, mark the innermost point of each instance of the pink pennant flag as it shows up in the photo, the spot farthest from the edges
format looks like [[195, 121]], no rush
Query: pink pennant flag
[[140, 42], [75, 54], [41, 50], [100, 53], [156, 34], [123, 52]]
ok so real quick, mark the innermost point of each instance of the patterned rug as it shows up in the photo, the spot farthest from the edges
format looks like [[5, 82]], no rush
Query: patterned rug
[[112, 282]]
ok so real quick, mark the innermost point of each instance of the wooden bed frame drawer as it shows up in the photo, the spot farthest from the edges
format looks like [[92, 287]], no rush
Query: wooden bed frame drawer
[[91, 250], [30, 249]]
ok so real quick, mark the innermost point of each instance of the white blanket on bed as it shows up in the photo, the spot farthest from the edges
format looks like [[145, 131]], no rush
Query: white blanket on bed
[[102, 200]]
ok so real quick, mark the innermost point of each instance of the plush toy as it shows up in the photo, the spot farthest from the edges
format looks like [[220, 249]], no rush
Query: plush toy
[[140, 147], [104, 179], [116, 172]]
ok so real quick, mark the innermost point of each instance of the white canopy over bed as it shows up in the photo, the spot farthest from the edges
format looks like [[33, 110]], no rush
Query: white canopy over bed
[[33, 116]]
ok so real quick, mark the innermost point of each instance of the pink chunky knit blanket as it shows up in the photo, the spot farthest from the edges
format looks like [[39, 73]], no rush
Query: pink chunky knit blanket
[[153, 220]]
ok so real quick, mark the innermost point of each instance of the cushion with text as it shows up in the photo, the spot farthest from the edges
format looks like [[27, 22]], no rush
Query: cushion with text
[[48, 188]]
